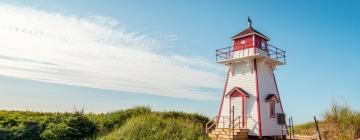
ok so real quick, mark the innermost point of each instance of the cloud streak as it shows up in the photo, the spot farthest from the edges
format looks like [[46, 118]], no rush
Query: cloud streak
[[96, 52]]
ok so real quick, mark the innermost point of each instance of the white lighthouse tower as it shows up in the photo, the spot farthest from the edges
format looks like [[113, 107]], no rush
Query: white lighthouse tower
[[250, 104]]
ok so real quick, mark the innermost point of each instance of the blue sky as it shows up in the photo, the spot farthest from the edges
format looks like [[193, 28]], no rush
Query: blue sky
[[320, 38]]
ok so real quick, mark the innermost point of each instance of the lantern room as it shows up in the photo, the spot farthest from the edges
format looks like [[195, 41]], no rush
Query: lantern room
[[249, 38], [250, 43]]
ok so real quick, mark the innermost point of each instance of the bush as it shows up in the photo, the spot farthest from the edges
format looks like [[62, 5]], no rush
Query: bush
[[73, 127], [16, 125], [6, 134], [157, 127]]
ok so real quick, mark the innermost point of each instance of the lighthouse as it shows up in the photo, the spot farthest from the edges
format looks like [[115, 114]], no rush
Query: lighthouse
[[250, 104]]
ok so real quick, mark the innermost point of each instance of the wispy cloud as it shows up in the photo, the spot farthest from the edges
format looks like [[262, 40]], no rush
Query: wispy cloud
[[96, 52]]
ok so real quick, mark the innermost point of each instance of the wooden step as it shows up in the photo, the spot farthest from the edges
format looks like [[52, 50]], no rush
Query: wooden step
[[229, 133], [226, 134], [230, 138], [227, 129]]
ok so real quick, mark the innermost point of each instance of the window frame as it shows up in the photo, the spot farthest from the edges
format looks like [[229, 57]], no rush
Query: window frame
[[272, 111]]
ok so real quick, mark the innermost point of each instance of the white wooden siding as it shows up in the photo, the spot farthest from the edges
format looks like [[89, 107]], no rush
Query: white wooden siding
[[267, 86], [243, 53], [242, 75], [248, 52]]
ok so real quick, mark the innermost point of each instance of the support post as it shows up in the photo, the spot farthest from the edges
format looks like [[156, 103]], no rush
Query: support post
[[292, 127], [233, 119], [317, 128]]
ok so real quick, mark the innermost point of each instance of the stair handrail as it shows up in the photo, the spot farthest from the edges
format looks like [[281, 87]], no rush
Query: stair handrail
[[230, 128], [237, 123], [212, 123]]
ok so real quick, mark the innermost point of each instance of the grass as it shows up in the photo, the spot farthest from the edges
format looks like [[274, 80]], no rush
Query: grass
[[305, 129], [340, 123], [157, 126]]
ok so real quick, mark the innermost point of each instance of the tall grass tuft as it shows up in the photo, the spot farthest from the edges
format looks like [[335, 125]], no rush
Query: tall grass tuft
[[157, 126], [342, 122], [305, 129]]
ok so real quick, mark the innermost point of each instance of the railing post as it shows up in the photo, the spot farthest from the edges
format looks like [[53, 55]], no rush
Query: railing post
[[277, 57], [223, 121], [229, 49], [216, 55], [233, 122]]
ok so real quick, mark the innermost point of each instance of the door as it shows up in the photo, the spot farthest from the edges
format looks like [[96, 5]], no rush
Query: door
[[237, 110]]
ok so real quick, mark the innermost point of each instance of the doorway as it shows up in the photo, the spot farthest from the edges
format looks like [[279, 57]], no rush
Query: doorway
[[237, 111]]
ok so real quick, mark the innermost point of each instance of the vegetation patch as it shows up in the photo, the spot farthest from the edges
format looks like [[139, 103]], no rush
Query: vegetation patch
[[157, 126], [16, 125], [340, 123]]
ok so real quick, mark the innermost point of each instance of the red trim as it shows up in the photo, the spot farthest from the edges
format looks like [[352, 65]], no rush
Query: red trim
[[257, 98], [277, 90], [236, 92], [282, 110], [222, 100]]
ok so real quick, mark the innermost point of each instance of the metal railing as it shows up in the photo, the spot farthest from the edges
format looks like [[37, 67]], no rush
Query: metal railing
[[276, 53], [236, 123], [209, 125], [224, 53], [272, 51]]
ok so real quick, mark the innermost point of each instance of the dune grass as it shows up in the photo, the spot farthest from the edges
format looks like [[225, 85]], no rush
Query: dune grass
[[305, 129], [157, 126], [340, 122]]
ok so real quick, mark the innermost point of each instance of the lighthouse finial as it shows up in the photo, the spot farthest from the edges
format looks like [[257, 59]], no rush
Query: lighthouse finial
[[250, 22]]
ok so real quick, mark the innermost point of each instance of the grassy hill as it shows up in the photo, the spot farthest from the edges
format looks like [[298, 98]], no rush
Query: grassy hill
[[340, 123], [135, 123]]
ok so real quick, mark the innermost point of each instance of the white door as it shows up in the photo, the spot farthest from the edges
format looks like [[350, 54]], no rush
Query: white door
[[237, 105]]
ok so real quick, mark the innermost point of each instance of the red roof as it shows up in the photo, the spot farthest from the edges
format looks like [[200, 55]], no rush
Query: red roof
[[239, 90], [272, 97], [249, 31]]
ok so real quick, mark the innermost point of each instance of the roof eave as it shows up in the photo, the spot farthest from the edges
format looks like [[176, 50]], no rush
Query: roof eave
[[265, 37]]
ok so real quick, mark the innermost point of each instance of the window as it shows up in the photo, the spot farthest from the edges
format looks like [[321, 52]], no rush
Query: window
[[263, 45], [272, 109]]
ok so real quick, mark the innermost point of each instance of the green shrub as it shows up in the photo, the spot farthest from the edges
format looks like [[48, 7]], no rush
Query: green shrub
[[55, 131], [6, 134], [72, 127], [16, 125]]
